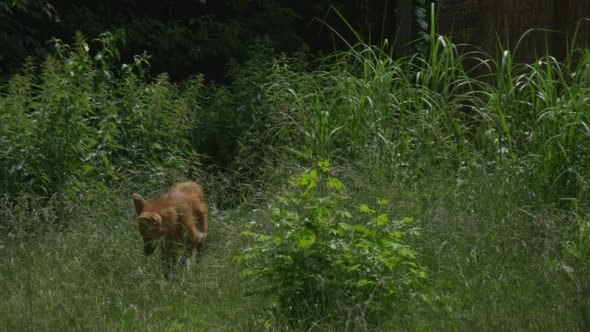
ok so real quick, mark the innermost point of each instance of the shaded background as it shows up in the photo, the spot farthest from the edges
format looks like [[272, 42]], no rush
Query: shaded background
[[185, 37], [486, 23], [189, 36]]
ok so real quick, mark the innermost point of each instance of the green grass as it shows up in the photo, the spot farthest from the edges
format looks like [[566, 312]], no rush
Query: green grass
[[494, 253], [93, 276]]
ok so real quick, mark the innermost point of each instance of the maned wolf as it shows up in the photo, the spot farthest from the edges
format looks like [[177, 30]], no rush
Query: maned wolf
[[176, 221]]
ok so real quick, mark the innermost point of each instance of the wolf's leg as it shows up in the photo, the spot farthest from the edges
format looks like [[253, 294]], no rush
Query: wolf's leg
[[202, 214], [196, 237], [172, 256]]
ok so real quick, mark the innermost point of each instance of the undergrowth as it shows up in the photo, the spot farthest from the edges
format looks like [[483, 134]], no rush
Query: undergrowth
[[323, 262], [83, 115]]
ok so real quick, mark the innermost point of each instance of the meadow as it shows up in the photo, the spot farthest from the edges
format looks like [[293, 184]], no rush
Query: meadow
[[439, 191]]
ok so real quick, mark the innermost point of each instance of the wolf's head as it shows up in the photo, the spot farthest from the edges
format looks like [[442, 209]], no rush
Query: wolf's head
[[149, 224]]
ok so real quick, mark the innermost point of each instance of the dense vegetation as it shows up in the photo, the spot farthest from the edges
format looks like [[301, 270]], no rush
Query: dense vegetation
[[443, 190], [184, 36]]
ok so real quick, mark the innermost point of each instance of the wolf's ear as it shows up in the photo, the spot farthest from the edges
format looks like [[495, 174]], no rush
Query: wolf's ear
[[139, 203]]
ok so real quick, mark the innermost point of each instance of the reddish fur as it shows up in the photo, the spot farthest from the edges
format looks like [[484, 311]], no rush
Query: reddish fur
[[166, 220]]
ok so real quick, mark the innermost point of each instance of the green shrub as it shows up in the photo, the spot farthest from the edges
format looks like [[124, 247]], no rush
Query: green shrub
[[321, 261], [83, 115]]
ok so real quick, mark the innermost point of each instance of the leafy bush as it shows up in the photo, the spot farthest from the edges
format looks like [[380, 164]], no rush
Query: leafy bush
[[84, 116], [323, 262]]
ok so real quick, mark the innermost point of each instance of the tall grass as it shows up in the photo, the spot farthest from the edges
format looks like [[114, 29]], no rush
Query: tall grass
[[365, 104], [538, 111], [430, 109]]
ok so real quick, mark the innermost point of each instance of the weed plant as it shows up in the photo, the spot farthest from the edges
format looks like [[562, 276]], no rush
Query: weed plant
[[326, 265], [82, 115]]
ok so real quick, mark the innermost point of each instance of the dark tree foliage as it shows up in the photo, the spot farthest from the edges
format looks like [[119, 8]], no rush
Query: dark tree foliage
[[185, 37]]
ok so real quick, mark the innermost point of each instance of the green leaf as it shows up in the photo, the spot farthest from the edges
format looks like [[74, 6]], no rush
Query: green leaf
[[344, 226], [366, 209], [362, 229], [407, 252], [351, 268], [249, 234], [382, 202], [106, 161], [277, 240], [345, 214], [382, 219], [306, 240], [87, 169], [396, 235], [335, 183], [324, 165], [364, 283], [307, 180]]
